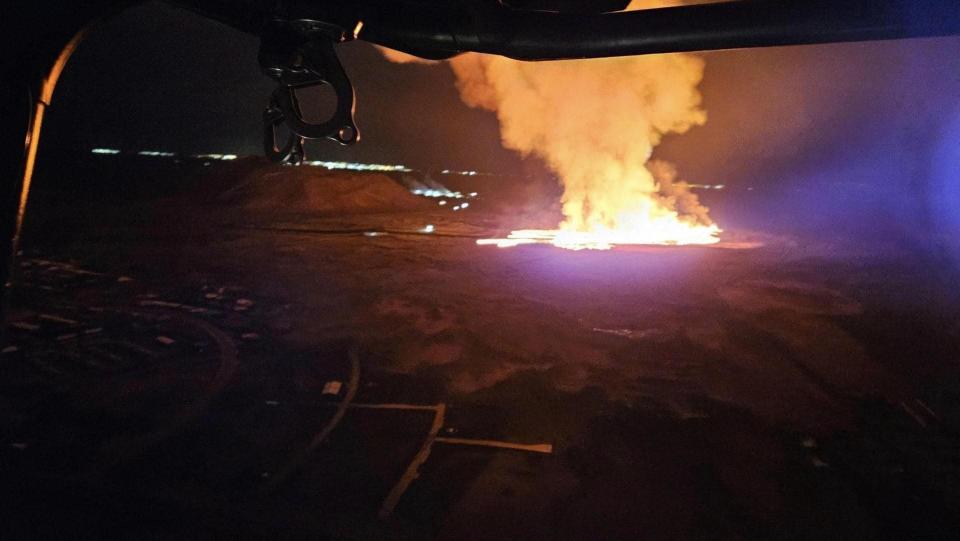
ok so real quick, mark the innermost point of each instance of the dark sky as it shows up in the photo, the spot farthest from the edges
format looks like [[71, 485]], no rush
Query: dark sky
[[159, 78]]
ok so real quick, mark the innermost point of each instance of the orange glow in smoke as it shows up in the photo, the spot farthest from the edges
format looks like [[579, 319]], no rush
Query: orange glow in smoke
[[596, 123]]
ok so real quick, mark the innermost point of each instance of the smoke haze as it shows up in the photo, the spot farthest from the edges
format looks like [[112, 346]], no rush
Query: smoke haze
[[595, 123]]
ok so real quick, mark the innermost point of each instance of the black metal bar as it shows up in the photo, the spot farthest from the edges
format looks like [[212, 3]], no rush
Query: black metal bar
[[743, 24], [442, 29]]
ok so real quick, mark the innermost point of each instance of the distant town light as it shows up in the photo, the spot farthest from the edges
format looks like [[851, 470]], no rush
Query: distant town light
[[462, 173], [707, 186], [433, 192], [165, 154], [353, 166], [215, 156]]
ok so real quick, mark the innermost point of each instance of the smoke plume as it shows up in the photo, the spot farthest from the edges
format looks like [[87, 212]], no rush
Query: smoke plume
[[595, 123]]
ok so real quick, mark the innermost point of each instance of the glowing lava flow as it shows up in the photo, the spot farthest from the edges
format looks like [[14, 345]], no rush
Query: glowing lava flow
[[664, 233]]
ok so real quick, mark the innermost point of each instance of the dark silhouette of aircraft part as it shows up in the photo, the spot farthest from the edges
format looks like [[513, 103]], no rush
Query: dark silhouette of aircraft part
[[300, 55]]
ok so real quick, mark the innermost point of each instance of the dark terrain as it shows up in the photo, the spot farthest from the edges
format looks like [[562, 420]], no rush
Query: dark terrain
[[174, 327]]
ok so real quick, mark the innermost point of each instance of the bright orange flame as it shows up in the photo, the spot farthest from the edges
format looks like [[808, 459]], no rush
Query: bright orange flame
[[610, 211], [595, 123], [668, 230]]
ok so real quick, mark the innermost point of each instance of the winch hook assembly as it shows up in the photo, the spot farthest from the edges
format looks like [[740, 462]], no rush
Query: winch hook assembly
[[305, 60]]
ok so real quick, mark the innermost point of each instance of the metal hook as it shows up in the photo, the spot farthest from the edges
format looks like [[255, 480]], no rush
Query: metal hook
[[292, 149], [310, 64]]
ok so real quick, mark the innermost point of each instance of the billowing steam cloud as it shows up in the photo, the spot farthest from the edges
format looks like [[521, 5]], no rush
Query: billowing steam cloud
[[596, 123]]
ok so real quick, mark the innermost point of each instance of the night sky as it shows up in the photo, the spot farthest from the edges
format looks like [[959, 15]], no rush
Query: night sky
[[159, 78]]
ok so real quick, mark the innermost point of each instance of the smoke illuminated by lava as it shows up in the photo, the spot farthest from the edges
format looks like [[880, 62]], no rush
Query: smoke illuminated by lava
[[595, 123]]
